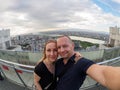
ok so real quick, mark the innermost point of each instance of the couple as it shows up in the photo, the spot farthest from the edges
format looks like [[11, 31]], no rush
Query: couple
[[70, 69]]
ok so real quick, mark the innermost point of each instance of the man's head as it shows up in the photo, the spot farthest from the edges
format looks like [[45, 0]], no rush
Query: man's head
[[65, 47]]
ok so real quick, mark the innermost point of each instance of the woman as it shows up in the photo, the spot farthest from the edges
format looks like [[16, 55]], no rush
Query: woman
[[44, 70]]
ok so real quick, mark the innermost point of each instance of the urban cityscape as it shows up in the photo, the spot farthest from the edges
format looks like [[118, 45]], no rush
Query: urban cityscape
[[21, 53], [35, 41]]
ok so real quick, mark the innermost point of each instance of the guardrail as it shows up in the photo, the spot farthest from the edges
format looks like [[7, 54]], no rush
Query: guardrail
[[23, 74], [18, 73]]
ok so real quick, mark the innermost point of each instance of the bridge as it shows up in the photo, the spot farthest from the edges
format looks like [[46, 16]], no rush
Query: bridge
[[20, 77]]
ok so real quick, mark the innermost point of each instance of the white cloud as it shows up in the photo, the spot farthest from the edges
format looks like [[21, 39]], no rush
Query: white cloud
[[25, 16], [118, 1], [4, 5]]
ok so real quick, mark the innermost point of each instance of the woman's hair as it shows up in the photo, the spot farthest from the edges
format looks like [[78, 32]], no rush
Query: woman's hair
[[44, 49]]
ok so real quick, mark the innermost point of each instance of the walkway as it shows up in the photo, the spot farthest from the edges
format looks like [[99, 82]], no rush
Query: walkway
[[96, 88], [8, 85]]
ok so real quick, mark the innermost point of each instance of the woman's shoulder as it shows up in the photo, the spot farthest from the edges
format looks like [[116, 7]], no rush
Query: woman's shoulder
[[39, 69], [40, 64]]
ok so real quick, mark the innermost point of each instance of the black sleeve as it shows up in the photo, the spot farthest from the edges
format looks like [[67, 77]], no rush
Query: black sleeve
[[39, 69], [84, 64]]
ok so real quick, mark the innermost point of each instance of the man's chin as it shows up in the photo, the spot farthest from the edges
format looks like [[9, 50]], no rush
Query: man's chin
[[64, 55]]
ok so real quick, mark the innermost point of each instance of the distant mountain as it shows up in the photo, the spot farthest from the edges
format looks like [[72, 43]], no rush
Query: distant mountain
[[79, 32], [76, 30]]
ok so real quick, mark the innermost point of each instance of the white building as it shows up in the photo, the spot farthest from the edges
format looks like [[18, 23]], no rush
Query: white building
[[114, 39], [5, 41]]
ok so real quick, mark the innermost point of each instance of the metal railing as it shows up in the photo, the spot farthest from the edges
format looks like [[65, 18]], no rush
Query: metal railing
[[17, 73], [23, 74]]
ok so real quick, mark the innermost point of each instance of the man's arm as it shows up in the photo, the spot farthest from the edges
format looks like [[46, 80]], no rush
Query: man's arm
[[108, 76]]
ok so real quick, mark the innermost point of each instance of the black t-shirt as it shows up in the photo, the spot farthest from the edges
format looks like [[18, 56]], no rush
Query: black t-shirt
[[46, 76], [74, 76]]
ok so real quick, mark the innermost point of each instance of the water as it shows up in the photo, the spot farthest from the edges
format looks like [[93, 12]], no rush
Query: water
[[96, 41]]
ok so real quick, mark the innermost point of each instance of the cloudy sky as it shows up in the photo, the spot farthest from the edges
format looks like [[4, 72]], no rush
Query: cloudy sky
[[25, 16]]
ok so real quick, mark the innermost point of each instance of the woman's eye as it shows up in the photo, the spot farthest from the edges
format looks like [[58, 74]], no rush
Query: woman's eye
[[48, 50]]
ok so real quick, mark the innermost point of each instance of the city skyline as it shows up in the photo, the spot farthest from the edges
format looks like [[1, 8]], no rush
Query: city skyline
[[25, 16]]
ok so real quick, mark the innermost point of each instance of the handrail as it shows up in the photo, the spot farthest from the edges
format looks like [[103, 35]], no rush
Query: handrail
[[30, 68], [110, 60], [17, 65]]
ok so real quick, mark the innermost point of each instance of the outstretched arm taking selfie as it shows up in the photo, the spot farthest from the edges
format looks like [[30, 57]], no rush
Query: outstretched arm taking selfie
[[108, 76]]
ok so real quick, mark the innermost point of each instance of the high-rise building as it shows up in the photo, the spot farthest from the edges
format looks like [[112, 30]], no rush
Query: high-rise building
[[114, 39], [5, 41]]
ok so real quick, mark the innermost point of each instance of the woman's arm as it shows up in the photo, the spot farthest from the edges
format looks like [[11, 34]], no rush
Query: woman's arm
[[36, 82], [108, 76]]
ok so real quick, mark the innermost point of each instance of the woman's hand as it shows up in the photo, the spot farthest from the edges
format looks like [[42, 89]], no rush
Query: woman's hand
[[78, 56]]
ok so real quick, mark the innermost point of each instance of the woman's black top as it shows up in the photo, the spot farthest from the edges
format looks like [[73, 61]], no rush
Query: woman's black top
[[46, 76]]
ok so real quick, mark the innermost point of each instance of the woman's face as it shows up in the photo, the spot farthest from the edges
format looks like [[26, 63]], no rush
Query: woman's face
[[51, 51]]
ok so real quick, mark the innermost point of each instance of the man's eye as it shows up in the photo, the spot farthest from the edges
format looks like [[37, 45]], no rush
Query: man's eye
[[65, 46], [55, 50]]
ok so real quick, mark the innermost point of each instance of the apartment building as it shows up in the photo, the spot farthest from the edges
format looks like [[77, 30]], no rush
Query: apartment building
[[5, 38], [114, 38]]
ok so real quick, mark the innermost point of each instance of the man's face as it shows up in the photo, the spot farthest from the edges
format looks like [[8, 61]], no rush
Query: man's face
[[65, 47]]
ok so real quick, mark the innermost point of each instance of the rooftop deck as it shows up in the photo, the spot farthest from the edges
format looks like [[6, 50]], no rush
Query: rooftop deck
[[9, 85]]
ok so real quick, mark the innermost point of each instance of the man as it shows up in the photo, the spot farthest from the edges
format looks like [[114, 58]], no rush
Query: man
[[71, 74]]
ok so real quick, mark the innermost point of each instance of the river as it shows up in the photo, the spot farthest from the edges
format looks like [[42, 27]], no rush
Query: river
[[95, 41]]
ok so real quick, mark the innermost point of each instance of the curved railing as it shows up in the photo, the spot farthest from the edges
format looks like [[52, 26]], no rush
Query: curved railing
[[23, 74], [17, 73]]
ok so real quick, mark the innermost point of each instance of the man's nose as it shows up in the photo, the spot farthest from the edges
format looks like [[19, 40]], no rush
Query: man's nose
[[51, 53]]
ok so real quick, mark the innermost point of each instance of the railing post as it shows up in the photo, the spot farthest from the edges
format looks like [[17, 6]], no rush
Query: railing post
[[1, 71], [20, 78]]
